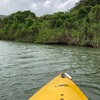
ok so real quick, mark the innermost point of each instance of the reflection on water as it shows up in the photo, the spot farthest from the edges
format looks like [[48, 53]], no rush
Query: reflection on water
[[25, 68]]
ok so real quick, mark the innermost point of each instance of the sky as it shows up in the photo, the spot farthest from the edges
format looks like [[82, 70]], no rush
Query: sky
[[39, 7]]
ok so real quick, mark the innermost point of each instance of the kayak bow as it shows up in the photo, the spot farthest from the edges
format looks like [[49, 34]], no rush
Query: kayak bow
[[60, 88]]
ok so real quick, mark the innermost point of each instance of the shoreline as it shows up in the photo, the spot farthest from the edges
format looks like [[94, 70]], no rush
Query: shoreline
[[51, 43]]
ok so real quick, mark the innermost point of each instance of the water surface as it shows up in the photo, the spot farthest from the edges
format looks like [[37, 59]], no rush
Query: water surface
[[26, 67]]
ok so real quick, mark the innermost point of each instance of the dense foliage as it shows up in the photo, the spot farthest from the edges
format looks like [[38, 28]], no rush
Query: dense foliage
[[80, 26]]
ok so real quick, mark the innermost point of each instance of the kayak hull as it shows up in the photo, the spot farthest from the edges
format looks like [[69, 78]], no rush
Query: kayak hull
[[60, 88]]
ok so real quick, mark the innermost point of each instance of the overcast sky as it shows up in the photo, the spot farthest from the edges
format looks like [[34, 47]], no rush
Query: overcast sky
[[39, 7]]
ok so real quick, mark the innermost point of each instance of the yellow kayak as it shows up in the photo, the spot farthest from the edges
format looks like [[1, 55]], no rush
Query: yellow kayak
[[60, 88]]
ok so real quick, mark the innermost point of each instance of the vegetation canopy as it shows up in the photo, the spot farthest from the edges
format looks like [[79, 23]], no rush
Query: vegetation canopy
[[80, 26]]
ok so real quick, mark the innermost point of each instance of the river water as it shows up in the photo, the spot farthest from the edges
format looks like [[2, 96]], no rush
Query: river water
[[26, 67]]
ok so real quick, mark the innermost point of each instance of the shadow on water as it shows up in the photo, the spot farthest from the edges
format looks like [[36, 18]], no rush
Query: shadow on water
[[26, 67]]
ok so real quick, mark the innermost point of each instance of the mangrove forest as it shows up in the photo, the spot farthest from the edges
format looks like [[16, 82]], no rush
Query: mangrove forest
[[80, 26]]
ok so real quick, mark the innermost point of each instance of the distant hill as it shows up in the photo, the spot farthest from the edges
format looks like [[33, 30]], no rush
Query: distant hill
[[2, 16]]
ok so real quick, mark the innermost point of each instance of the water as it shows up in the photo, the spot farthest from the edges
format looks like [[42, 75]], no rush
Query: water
[[26, 67]]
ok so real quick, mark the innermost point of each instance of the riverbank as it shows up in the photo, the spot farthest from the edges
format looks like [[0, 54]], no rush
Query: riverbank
[[80, 26]]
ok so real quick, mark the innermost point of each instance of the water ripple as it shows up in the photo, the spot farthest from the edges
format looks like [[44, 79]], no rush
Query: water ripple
[[25, 68]]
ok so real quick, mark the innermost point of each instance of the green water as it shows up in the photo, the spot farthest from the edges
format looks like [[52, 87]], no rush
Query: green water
[[25, 68]]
